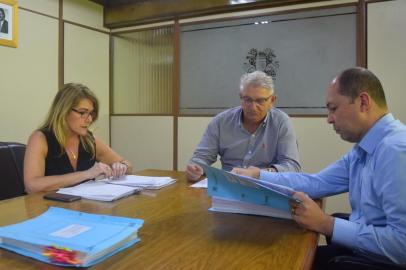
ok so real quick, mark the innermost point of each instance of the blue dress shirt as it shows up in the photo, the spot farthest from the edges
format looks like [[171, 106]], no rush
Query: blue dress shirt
[[374, 173], [272, 144]]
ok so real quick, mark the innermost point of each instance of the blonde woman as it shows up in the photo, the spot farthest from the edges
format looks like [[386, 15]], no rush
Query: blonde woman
[[63, 152]]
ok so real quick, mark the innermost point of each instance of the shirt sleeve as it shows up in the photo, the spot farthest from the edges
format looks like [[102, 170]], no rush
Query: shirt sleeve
[[388, 237], [330, 181], [287, 154], [207, 150]]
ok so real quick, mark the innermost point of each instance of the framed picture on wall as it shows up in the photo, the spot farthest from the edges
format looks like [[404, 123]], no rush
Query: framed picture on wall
[[8, 23]]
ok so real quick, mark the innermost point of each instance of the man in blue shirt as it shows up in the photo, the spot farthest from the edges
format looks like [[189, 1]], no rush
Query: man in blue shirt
[[374, 173], [253, 134]]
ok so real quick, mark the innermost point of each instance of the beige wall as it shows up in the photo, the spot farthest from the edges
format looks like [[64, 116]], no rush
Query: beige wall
[[87, 62], [29, 77], [190, 131], [30, 72], [386, 51], [84, 12], [49, 7], [146, 141]]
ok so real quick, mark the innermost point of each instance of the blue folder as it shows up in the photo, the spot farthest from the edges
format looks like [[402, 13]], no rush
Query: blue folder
[[92, 237], [232, 186]]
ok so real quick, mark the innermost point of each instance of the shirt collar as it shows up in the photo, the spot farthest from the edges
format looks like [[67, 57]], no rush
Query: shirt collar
[[240, 117], [375, 134], [263, 122]]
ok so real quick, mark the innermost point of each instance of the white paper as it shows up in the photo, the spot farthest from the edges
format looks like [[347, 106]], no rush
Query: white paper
[[71, 231], [200, 184], [99, 190], [147, 182]]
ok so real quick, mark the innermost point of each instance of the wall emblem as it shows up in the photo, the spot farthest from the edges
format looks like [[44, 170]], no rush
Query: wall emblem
[[263, 61]]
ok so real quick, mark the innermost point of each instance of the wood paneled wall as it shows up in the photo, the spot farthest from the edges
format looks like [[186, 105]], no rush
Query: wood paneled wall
[[141, 12]]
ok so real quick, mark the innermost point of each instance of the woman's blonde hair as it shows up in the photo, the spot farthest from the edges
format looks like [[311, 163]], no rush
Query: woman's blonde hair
[[65, 100]]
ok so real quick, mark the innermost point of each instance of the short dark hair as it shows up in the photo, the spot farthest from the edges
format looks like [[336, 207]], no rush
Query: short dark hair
[[2, 11], [353, 81]]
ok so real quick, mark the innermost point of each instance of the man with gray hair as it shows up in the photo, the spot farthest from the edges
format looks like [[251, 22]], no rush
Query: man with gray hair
[[253, 134]]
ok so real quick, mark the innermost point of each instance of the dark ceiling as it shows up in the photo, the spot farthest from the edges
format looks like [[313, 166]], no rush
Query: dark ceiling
[[122, 13], [113, 3]]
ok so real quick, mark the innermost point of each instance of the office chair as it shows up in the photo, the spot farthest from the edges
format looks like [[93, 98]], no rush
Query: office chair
[[348, 262], [11, 170], [358, 263]]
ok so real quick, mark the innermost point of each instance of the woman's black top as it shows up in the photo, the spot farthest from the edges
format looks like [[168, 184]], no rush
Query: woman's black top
[[57, 163]]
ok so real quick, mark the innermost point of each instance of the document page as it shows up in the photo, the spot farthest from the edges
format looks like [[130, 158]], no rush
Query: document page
[[99, 190], [148, 182]]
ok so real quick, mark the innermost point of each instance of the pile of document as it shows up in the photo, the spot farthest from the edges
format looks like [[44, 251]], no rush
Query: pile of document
[[99, 191], [110, 189], [235, 206], [146, 182], [70, 238], [234, 193]]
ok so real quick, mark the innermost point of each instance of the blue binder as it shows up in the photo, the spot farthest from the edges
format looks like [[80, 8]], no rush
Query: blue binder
[[89, 238], [228, 185]]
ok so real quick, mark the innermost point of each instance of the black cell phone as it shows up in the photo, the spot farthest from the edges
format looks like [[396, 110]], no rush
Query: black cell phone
[[61, 197]]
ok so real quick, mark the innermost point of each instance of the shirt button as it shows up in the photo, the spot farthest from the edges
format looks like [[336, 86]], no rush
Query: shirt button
[[249, 152], [253, 135]]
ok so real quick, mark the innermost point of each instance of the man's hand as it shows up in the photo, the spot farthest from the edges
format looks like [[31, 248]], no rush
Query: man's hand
[[310, 216], [193, 172], [252, 171]]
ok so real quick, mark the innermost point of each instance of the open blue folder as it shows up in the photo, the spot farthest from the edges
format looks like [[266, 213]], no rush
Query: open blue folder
[[60, 233], [241, 194]]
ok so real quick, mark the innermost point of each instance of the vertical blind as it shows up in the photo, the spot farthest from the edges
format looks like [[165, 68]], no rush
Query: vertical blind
[[142, 72]]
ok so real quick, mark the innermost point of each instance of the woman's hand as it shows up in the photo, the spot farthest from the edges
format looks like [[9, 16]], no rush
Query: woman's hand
[[100, 168], [118, 169]]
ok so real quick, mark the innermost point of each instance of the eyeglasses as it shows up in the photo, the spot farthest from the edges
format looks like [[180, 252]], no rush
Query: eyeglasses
[[85, 114], [259, 101]]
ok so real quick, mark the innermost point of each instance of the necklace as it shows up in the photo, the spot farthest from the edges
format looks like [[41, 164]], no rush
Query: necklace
[[73, 154]]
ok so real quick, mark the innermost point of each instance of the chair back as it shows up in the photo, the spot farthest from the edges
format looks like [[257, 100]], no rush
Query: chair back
[[360, 263], [11, 170]]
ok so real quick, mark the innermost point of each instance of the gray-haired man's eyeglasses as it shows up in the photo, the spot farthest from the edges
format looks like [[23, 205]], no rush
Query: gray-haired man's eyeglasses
[[259, 101]]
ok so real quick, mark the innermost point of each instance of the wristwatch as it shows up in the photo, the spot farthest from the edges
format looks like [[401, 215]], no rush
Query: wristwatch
[[125, 162]]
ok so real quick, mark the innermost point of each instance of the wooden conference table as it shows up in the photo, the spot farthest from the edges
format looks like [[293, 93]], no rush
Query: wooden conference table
[[179, 232]]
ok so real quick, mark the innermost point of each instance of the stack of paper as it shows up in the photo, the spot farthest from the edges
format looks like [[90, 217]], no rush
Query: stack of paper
[[239, 207], [99, 190], [110, 190], [70, 238], [240, 194], [146, 182]]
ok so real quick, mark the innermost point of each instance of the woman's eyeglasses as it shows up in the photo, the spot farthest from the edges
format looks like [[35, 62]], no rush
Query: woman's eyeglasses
[[85, 114]]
